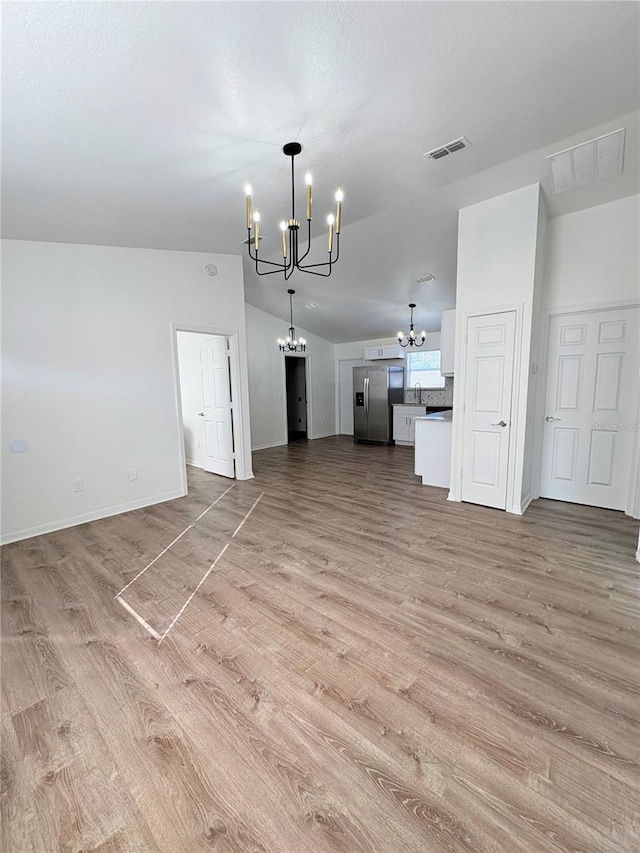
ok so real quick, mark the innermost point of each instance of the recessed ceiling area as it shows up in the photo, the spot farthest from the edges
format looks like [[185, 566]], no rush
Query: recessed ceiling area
[[137, 124]]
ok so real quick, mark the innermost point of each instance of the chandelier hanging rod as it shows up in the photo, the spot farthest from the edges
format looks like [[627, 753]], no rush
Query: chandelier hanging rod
[[292, 259]]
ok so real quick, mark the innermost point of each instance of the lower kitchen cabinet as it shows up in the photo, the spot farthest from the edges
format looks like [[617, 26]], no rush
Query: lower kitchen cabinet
[[404, 429]]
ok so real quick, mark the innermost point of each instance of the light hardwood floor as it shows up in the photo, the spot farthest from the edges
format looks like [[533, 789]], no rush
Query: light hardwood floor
[[368, 668]]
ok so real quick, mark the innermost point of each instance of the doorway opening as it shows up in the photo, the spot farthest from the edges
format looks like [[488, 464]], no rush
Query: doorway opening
[[205, 394], [296, 386]]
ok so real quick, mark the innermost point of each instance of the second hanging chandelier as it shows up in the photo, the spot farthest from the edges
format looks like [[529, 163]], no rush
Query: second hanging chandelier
[[410, 339], [291, 257], [291, 343]]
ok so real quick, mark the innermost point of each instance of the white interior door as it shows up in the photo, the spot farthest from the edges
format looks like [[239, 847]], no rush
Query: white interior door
[[345, 385], [592, 382], [487, 408], [216, 407]]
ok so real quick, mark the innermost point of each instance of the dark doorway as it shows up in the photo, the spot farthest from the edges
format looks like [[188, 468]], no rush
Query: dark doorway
[[296, 398]]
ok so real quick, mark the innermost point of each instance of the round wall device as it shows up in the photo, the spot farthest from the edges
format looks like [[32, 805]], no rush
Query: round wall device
[[18, 445], [211, 269]]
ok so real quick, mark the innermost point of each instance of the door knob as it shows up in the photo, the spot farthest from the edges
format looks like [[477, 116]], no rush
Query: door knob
[[549, 418], [200, 414], [500, 424]]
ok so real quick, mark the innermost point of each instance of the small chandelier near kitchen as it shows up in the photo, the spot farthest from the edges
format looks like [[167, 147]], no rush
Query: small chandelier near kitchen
[[410, 340], [291, 257], [291, 343]]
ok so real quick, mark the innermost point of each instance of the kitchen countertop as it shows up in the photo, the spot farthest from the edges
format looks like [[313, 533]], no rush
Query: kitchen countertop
[[437, 416]]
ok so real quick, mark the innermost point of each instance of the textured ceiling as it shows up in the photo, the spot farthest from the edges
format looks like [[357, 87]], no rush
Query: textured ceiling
[[137, 124]]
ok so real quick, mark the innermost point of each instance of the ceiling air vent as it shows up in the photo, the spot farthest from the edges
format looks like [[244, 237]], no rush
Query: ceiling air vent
[[449, 148], [588, 162], [426, 277]]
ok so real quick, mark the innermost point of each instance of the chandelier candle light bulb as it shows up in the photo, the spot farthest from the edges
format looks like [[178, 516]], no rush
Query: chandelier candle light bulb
[[283, 228], [330, 220], [256, 230], [308, 178], [247, 189], [339, 200]]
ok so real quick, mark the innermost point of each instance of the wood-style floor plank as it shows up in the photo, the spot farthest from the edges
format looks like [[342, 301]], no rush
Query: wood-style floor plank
[[368, 668]]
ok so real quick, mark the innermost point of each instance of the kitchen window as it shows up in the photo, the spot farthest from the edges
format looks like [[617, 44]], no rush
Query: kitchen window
[[424, 367]]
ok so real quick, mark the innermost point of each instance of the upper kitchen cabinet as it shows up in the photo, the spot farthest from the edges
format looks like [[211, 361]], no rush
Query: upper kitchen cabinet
[[391, 351], [447, 342]]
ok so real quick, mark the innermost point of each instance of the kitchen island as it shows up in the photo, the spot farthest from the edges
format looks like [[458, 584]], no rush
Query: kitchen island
[[433, 448]]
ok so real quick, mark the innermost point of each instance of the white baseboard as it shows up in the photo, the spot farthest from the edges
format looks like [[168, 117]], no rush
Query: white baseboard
[[267, 446], [195, 464], [94, 515], [284, 443], [521, 508]]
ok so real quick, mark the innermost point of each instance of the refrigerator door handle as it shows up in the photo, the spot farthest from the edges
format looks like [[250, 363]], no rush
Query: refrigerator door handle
[[366, 396]]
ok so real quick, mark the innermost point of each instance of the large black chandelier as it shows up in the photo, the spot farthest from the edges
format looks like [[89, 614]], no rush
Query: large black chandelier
[[410, 340], [291, 343], [291, 257]]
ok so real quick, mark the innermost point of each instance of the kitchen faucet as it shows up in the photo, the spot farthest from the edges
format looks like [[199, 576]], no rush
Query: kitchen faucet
[[419, 392]]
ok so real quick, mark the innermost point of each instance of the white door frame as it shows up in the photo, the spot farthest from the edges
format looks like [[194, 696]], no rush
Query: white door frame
[[518, 414], [633, 496], [243, 464], [337, 381], [307, 379]]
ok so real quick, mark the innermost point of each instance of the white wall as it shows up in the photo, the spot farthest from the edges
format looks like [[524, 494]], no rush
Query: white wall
[[89, 380], [191, 395], [267, 381], [536, 359], [593, 255], [497, 252]]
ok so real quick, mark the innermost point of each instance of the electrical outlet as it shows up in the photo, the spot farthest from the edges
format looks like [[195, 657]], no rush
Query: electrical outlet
[[78, 485], [132, 474]]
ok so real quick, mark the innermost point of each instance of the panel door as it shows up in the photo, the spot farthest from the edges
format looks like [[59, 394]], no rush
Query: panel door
[[487, 408], [216, 407], [345, 393], [590, 407]]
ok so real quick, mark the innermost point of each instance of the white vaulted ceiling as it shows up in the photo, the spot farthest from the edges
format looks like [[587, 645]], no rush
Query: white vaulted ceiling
[[137, 124]]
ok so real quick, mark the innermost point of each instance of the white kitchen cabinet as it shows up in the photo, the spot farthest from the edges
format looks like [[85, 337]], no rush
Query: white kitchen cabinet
[[404, 429], [391, 351], [447, 342]]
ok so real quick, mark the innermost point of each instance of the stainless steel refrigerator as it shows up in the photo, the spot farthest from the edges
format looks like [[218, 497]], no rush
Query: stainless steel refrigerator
[[375, 389]]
